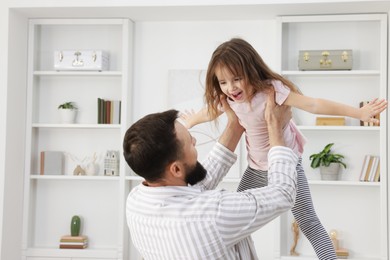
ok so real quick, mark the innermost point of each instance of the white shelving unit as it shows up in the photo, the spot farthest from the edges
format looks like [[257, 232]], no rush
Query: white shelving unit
[[50, 201], [357, 210]]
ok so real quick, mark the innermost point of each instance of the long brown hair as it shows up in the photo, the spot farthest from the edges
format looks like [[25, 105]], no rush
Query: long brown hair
[[241, 59]]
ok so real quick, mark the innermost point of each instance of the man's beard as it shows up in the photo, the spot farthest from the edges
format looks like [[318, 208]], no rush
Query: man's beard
[[195, 174]]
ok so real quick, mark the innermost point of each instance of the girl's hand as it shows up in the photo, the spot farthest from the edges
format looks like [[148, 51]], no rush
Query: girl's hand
[[372, 109], [188, 118], [191, 118]]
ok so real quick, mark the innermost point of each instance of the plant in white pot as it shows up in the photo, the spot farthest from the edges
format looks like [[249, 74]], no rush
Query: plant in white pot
[[68, 111], [328, 162]]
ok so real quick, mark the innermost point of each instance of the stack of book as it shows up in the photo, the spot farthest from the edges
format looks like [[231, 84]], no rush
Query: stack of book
[[74, 242], [342, 253], [108, 111], [370, 169]]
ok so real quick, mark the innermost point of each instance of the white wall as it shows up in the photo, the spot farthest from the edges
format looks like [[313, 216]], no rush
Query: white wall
[[162, 46], [3, 105]]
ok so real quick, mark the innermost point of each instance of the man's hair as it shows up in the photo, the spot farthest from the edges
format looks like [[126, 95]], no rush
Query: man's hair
[[151, 144]]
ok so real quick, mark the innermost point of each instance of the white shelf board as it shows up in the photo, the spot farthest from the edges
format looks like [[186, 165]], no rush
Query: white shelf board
[[344, 183], [316, 258], [338, 128], [74, 177], [77, 73], [85, 126], [134, 178], [331, 73], [87, 252]]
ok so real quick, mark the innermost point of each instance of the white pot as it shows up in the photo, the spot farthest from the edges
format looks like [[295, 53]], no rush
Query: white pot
[[331, 172], [67, 116]]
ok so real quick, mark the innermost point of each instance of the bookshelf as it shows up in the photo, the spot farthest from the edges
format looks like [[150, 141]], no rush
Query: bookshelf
[[51, 200], [343, 205]]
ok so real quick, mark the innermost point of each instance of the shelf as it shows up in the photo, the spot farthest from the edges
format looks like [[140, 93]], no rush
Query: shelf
[[226, 180], [315, 258], [78, 73], [311, 182], [87, 252], [74, 177], [331, 73], [339, 128], [82, 126], [344, 183]]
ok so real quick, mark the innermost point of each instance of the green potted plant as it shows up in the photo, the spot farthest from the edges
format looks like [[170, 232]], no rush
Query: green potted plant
[[68, 111], [328, 162]]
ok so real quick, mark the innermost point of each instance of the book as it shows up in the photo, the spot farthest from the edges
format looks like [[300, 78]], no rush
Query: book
[[51, 163], [69, 238], [377, 172], [116, 112], [367, 174], [364, 167], [73, 246], [373, 168], [73, 243]]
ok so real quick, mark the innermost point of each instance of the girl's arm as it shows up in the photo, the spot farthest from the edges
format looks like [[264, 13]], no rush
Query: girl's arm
[[191, 118], [327, 107]]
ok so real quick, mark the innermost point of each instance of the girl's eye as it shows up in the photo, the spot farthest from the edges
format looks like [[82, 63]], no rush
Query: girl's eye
[[237, 79], [222, 83]]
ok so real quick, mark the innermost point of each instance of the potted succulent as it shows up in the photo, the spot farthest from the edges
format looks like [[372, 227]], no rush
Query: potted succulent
[[68, 111], [328, 162]]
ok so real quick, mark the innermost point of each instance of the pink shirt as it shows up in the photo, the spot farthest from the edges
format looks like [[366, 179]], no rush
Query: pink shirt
[[251, 117]]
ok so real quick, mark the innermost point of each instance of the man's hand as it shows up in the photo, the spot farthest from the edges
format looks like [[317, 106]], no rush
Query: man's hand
[[277, 117]]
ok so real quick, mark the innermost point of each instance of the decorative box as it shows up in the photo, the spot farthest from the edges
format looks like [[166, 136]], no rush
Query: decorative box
[[330, 121], [325, 60], [81, 60]]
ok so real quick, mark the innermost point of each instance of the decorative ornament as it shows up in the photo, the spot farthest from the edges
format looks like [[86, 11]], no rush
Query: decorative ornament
[[295, 230], [75, 226]]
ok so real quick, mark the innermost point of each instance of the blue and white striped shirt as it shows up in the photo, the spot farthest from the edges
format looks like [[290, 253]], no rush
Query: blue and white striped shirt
[[198, 222]]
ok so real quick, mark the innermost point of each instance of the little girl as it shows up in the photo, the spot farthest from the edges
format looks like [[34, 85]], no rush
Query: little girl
[[237, 71]]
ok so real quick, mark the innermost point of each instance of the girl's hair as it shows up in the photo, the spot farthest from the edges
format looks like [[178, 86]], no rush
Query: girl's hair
[[241, 59]]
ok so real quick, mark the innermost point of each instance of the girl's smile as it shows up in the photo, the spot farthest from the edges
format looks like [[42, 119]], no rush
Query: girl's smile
[[232, 86]]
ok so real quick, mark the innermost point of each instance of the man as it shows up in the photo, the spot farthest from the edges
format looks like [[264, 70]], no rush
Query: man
[[176, 213]]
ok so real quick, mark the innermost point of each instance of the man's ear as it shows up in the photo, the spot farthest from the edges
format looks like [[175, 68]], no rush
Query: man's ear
[[176, 169]]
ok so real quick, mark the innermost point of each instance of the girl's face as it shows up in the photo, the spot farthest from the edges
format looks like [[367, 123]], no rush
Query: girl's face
[[233, 86]]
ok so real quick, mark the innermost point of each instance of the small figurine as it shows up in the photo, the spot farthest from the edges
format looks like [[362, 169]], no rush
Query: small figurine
[[333, 236], [92, 167], [295, 230], [341, 253], [78, 170]]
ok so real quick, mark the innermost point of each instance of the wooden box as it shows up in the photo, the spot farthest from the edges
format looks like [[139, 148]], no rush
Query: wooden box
[[330, 121]]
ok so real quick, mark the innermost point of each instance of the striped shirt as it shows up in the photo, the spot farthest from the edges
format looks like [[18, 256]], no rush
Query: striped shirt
[[198, 222]]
